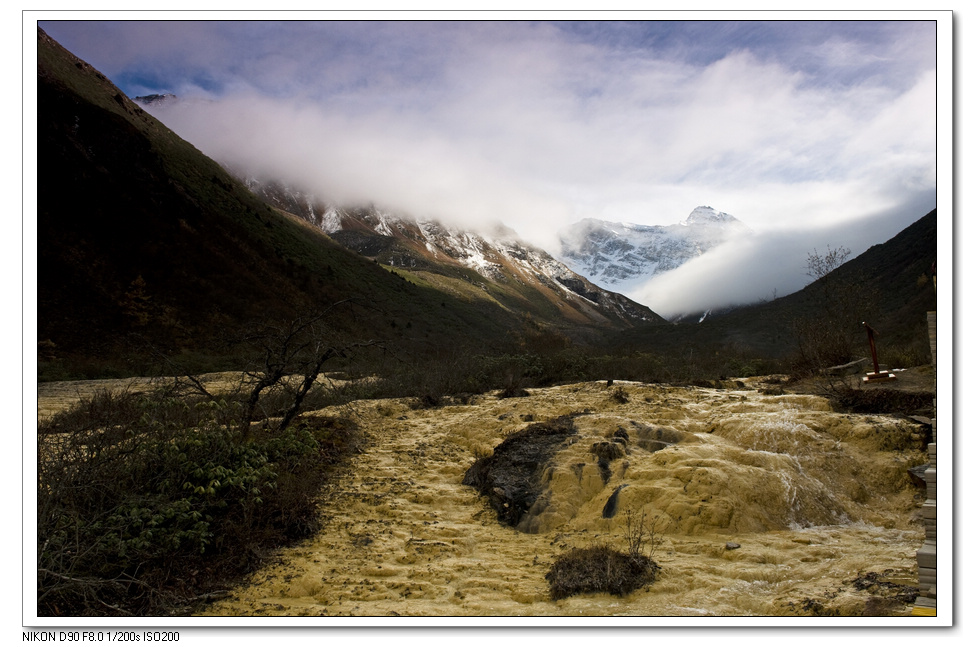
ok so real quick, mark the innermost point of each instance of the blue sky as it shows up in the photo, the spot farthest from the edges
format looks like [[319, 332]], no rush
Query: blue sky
[[810, 132]]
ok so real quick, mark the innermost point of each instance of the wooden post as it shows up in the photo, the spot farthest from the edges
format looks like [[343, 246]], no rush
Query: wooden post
[[873, 347], [877, 375]]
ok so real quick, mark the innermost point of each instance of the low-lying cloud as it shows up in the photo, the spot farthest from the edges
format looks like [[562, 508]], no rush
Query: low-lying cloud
[[766, 265], [790, 127]]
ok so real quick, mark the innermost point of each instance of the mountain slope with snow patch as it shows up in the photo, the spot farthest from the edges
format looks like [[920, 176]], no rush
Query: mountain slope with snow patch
[[495, 264]]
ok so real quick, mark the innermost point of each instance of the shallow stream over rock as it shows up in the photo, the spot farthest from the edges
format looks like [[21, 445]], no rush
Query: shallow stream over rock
[[817, 503]]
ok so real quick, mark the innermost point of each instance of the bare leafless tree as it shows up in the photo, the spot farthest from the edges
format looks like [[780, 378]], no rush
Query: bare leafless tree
[[819, 266], [825, 335], [293, 355], [640, 534]]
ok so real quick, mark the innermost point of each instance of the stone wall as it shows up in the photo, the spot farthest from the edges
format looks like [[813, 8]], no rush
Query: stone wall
[[927, 563]]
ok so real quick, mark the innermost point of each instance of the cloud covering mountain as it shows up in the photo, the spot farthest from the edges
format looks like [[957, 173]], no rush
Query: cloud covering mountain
[[813, 126], [624, 256]]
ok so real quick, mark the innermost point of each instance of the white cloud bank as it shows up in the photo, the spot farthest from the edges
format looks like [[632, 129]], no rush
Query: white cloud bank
[[793, 128]]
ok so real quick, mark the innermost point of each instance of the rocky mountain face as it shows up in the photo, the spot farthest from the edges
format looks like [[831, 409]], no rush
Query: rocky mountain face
[[497, 261], [155, 99], [622, 256]]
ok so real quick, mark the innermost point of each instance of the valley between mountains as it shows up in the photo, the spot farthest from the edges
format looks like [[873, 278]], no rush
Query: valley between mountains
[[423, 347]]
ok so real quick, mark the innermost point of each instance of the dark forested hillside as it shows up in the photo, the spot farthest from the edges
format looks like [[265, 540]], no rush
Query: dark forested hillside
[[144, 242]]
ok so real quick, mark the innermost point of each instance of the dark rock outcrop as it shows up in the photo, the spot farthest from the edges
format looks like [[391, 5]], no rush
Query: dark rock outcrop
[[606, 452], [511, 476], [612, 504]]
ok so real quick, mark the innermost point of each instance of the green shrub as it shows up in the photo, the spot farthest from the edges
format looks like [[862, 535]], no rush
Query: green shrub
[[144, 502]]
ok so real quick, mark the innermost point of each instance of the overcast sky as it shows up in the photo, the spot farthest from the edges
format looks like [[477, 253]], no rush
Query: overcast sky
[[810, 132]]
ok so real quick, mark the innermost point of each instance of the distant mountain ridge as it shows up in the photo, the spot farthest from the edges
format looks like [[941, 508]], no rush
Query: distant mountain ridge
[[597, 260], [623, 256], [508, 267]]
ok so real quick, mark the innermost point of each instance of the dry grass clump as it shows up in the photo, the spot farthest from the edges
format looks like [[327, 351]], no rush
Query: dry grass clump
[[600, 569], [619, 395], [603, 569]]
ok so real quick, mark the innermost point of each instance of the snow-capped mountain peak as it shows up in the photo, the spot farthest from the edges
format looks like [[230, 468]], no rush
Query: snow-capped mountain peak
[[708, 216], [623, 256]]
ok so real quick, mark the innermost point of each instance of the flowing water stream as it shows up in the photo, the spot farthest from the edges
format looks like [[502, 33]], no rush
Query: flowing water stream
[[820, 505]]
